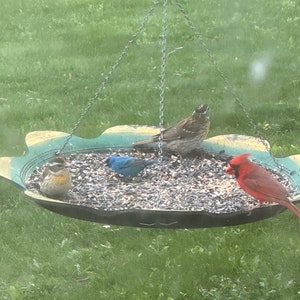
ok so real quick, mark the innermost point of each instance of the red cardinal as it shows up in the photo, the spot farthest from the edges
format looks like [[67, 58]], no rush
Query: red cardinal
[[258, 183]]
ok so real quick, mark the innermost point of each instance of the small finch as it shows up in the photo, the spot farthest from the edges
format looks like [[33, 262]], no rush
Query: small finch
[[56, 179], [258, 183], [128, 166], [186, 135]]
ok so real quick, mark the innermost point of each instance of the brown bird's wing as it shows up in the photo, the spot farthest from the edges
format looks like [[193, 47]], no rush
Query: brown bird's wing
[[168, 134], [186, 128], [174, 132], [189, 128]]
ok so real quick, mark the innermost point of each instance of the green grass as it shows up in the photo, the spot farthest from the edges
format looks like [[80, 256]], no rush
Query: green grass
[[53, 57]]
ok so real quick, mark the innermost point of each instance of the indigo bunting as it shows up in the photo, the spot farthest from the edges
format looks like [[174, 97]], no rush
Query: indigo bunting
[[186, 135], [128, 166], [56, 179]]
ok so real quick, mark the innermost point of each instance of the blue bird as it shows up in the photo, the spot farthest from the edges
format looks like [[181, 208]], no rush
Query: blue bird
[[128, 166]]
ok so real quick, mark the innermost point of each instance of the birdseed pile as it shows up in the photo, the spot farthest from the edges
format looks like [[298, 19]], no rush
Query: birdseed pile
[[197, 183]]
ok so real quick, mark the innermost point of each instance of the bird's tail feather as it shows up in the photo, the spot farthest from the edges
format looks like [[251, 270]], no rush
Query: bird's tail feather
[[292, 207], [295, 198], [151, 161], [143, 142]]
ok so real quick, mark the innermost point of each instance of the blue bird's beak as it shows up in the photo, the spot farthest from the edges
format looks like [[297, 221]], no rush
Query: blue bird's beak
[[107, 161]]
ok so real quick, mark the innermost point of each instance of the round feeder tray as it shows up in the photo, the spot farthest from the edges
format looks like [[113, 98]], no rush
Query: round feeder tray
[[43, 144]]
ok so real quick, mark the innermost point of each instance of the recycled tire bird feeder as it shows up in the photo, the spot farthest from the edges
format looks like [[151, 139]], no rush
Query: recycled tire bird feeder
[[42, 146]]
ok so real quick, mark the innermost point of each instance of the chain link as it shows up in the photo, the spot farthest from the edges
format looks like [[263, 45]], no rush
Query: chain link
[[109, 75], [162, 75], [229, 86], [164, 55]]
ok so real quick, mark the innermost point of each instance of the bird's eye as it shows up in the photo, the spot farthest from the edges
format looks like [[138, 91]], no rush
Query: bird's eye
[[234, 167]]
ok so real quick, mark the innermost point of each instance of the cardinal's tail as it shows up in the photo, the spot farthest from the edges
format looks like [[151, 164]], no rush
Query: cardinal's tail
[[292, 207], [295, 198]]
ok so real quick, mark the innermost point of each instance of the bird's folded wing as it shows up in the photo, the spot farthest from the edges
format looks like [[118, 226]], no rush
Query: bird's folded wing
[[169, 134], [261, 189], [131, 163]]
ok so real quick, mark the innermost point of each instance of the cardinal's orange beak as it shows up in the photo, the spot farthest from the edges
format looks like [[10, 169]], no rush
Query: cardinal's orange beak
[[229, 170]]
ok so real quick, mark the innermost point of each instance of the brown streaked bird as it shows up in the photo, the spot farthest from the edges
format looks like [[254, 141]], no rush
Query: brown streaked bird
[[186, 135], [56, 179]]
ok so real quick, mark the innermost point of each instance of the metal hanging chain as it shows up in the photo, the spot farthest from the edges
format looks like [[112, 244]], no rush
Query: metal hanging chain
[[162, 75], [109, 75], [227, 83]]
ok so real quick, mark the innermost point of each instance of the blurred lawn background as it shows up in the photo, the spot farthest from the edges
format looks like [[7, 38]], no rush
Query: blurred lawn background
[[54, 56]]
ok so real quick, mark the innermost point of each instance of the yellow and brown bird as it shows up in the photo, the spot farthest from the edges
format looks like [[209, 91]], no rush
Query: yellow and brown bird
[[56, 179], [186, 135]]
